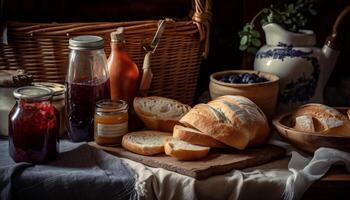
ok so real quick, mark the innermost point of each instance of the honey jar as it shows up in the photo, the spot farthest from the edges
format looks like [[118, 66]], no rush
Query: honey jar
[[111, 122]]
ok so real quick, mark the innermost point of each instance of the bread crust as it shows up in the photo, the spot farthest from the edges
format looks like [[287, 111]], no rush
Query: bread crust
[[128, 144], [202, 119], [154, 122], [184, 154], [245, 123], [193, 136]]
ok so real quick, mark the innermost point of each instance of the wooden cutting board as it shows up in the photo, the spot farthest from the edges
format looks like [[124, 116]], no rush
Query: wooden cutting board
[[218, 161]]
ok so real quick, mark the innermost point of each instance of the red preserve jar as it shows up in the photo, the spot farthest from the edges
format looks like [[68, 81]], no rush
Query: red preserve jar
[[33, 125]]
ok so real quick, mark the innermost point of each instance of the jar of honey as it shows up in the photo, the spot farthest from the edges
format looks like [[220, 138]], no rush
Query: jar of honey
[[111, 122]]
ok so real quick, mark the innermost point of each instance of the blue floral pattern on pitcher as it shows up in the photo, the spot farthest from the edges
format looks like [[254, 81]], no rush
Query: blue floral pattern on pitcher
[[303, 88]]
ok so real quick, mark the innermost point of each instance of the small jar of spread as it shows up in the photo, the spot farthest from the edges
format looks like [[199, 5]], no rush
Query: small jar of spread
[[111, 122]]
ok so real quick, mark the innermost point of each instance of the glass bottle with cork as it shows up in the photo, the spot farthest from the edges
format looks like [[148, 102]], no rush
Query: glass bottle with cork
[[123, 72]]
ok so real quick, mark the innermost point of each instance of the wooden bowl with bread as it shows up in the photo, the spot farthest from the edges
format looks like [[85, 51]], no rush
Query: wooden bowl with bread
[[260, 87], [312, 126]]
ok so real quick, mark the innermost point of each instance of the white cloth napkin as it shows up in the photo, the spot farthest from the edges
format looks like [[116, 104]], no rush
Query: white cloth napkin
[[306, 170]]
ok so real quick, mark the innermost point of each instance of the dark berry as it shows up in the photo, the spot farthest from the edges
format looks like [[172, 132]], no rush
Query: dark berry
[[224, 79], [255, 76], [246, 78], [237, 80], [261, 79], [251, 81]]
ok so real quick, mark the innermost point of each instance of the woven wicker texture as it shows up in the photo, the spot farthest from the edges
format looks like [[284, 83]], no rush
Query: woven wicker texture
[[42, 50]]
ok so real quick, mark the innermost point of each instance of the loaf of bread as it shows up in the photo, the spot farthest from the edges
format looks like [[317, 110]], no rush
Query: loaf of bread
[[193, 136], [326, 119], [233, 120], [182, 150], [145, 142], [159, 113]]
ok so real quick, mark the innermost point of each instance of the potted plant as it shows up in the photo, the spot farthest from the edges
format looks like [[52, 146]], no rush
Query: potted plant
[[291, 16]]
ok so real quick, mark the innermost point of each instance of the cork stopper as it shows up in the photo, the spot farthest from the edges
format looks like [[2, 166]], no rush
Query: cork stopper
[[118, 35]]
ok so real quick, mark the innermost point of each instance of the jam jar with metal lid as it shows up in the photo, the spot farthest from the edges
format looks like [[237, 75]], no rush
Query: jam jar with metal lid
[[57, 101], [33, 125]]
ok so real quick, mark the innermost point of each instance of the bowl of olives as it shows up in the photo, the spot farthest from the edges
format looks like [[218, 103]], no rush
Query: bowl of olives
[[260, 87]]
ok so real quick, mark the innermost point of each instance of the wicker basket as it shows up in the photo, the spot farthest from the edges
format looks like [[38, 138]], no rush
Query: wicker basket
[[42, 49]]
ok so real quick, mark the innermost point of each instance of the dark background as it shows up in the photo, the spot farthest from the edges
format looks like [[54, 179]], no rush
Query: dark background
[[228, 18]]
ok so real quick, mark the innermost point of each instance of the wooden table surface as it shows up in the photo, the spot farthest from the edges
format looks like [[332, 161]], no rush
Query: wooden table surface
[[334, 185]]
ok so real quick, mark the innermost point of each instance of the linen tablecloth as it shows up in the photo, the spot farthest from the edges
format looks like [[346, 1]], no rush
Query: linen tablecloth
[[79, 172]]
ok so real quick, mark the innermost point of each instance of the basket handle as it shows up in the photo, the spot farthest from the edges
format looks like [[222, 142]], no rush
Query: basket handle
[[202, 18]]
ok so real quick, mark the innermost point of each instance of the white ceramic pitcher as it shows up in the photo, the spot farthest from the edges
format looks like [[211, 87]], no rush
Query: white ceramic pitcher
[[303, 68]]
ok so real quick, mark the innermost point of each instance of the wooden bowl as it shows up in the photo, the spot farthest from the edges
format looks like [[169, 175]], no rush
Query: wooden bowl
[[262, 94], [309, 142]]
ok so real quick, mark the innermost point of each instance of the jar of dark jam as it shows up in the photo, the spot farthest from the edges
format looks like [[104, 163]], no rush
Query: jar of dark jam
[[86, 83], [33, 125]]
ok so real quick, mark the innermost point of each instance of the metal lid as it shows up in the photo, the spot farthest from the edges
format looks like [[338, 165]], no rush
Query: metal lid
[[33, 93], [118, 36], [86, 42], [107, 106], [58, 89]]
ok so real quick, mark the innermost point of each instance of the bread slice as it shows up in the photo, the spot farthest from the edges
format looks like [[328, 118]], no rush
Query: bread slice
[[304, 123], [145, 142], [193, 136], [159, 113], [184, 151]]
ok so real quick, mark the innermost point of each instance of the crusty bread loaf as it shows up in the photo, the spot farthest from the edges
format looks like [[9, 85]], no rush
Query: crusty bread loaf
[[332, 120], [159, 113], [193, 136], [184, 151], [145, 142], [233, 120]]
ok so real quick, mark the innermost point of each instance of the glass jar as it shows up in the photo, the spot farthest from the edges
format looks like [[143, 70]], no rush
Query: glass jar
[[58, 101], [111, 122], [33, 125], [87, 82]]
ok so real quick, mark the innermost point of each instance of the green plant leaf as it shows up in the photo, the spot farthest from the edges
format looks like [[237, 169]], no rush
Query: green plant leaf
[[252, 50], [255, 34], [247, 27], [256, 42], [243, 47], [244, 40]]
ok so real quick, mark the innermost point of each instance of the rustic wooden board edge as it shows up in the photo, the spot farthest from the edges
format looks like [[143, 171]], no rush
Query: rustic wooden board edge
[[201, 173], [221, 169]]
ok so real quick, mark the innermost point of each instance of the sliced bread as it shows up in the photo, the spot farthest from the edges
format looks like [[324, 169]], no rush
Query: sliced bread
[[193, 136], [304, 123], [145, 142], [159, 113], [233, 120], [334, 122], [182, 150]]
